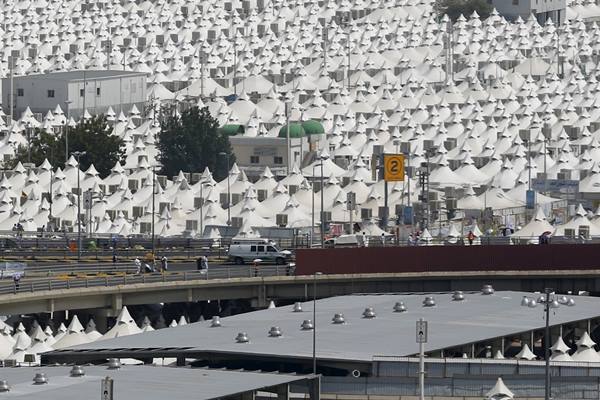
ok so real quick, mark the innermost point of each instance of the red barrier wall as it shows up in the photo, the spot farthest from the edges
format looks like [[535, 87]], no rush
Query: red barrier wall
[[447, 258]]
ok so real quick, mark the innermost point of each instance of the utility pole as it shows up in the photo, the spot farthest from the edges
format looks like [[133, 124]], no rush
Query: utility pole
[[12, 89], [421, 340], [78, 155], [153, 207]]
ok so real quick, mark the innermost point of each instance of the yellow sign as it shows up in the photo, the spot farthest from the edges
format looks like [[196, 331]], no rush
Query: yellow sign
[[393, 167]]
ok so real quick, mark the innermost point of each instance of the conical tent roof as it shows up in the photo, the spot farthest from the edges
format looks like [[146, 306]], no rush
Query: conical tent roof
[[525, 353], [499, 391], [125, 325], [74, 336]]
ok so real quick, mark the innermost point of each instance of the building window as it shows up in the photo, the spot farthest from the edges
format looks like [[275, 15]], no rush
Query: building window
[[254, 160], [278, 160], [81, 92], [50, 93], [20, 92], [97, 91]]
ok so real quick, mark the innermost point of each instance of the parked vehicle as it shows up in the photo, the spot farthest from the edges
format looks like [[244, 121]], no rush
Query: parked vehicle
[[241, 251], [346, 241]]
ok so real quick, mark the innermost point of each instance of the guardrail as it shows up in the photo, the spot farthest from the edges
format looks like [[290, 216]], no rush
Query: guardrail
[[129, 279], [69, 269]]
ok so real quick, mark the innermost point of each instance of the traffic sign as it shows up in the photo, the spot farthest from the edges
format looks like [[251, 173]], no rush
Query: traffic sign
[[106, 389], [421, 331], [393, 167]]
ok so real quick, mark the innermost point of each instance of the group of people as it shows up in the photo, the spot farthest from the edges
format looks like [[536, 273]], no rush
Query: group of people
[[149, 267], [18, 229]]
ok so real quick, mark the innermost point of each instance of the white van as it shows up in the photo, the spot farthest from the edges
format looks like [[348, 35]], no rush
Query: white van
[[241, 251]]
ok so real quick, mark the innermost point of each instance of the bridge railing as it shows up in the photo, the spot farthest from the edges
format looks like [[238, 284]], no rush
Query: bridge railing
[[221, 272]]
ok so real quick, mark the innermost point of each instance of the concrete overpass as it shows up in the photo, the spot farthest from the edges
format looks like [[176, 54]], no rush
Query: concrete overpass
[[110, 294]]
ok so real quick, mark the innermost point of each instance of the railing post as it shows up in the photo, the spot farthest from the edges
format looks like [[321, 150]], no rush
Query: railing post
[[106, 281], [50, 285], [87, 282], [31, 285], [125, 279], [68, 284], [277, 270]]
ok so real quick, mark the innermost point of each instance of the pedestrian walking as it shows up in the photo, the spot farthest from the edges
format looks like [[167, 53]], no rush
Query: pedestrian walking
[[204, 264], [17, 280], [163, 263], [470, 237], [138, 265]]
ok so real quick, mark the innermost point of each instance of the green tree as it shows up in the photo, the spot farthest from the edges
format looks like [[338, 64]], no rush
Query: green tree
[[192, 141], [92, 136], [454, 8]]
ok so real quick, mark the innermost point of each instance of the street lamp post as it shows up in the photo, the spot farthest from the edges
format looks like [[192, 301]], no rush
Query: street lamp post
[[314, 338], [67, 131], [228, 189], [550, 300], [77, 155], [312, 229], [153, 209], [322, 210]]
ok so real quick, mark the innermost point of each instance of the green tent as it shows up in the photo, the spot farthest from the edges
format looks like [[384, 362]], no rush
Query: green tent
[[312, 127], [296, 131]]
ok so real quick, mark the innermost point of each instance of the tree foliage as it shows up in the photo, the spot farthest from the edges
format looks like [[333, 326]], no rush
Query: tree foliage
[[191, 141], [454, 8], [92, 136]]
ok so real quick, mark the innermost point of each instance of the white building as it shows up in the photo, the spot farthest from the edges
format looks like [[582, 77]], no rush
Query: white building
[[103, 88]]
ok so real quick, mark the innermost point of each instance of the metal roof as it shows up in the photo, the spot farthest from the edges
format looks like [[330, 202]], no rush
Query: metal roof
[[451, 323], [138, 382], [79, 75]]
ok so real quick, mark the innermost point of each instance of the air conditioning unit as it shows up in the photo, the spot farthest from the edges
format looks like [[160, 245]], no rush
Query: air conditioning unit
[[327, 216], [434, 196], [570, 233], [237, 222], [138, 211], [132, 184], [198, 202], [451, 204], [162, 179], [262, 194], [584, 231], [366, 213], [191, 225], [281, 220], [145, 227], [235, 198], [292, 189]]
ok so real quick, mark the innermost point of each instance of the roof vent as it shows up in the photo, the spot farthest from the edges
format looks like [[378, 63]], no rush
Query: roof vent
[[369, 313], [487, 290], [532, 303], [40, 378], [563, 299], [525, 301], [429, 301], [338, 319], [216, 322], [307, 325], [297, 307], [77, 371], [242, 337], [541, 299], [114, 363], [274, 331], [458, 296], [571, 302], [4, 386], [399, 307]]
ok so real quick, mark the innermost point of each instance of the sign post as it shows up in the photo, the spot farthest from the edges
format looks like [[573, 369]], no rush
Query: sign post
[[106, 389], [421, 340], [351, 206], [393, 167]]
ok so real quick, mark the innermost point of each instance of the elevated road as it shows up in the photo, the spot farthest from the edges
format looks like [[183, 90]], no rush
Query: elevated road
[[272, 282]]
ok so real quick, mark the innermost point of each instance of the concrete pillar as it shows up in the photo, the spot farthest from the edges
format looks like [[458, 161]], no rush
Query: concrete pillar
[[283, 392], [116, 303]]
